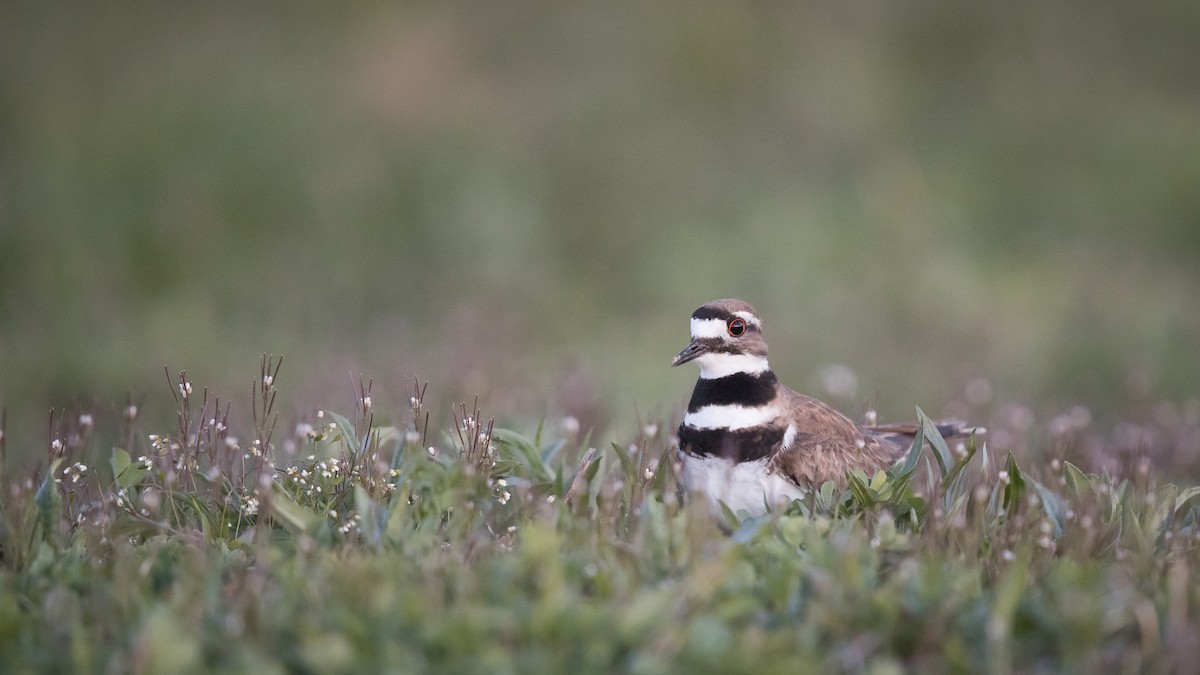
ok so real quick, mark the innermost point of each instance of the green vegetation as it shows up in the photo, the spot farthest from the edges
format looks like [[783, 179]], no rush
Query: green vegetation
[[348, 545]]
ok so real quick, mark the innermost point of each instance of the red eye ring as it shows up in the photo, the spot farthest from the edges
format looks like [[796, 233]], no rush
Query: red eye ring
[[737, 327]]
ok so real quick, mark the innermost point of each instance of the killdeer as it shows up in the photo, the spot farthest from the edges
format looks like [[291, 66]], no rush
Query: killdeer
[[752, 443]]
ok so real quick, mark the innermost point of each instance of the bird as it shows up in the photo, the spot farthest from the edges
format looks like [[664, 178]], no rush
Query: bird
[[753, 444]]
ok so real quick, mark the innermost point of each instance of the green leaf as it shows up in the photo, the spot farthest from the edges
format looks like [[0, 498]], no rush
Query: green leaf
[[521, 450], [1170, 505], [537, 434], [941, 451], [731, 519], [119, 462], [372, 518], [48, 501], [825, 496], [1077, 480], [1016, 483], [297, 518], [1052, 505], [955, 484], [914, 454], [125, 472], [744, 531], [346, 429], [861, 493], [626, 464], [1186, 497]]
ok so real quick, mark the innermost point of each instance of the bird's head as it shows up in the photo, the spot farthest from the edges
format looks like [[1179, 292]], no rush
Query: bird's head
[[727, 338]]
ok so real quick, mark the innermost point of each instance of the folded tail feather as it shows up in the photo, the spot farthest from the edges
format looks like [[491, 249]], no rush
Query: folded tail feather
[[902, 435]]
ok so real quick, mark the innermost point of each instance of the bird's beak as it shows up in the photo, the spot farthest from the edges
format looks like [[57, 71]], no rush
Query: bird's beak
[[694, 349]]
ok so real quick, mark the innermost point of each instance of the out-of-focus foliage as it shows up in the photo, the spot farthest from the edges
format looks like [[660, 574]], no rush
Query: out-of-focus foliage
[[524, 201], [347, 545]]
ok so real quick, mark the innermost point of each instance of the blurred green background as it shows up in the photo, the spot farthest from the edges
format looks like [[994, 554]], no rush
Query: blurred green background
[[524, 201]]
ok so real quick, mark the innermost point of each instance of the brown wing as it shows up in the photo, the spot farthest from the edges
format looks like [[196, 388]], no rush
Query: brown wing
[[903, 434], [828, 445]]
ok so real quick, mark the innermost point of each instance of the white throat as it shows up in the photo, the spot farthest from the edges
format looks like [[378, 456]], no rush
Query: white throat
[[715, 365]]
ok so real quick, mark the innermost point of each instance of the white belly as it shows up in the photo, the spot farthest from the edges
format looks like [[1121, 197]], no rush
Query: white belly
[[746, 486]]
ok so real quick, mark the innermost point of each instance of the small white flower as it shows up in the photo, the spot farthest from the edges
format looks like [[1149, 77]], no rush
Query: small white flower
[[268, 379], [650, 430], [56, 444], [85, 420], [550, 499], [860, 444], [366, 403], [871, 418], [1003, 476], [649, 473], [1008, 556]]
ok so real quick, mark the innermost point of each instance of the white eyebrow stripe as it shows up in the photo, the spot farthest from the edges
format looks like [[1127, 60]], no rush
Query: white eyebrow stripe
[[708, 328], [750, 318], [732, 417], [716, 365]]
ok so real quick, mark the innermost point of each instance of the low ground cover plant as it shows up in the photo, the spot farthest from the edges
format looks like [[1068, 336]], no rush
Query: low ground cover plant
[[348, 544]]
